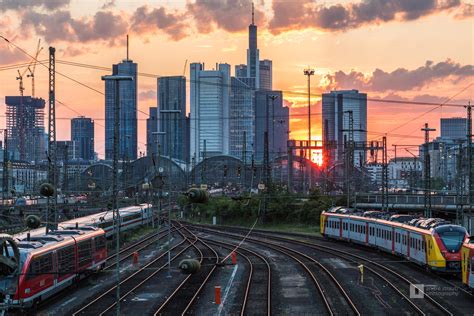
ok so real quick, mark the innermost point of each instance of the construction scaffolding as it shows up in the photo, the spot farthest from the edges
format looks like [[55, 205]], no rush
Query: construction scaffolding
[[25, 127]]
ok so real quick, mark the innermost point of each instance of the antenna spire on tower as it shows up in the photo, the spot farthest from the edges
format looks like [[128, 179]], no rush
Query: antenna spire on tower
[[253, 14], [127, 46]]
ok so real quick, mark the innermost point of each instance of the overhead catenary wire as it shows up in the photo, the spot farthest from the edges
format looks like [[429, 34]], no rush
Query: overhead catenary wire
[[287, 92]]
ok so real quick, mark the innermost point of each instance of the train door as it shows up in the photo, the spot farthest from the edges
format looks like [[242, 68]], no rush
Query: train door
[[55, 267], [339, 223], [372, 234]]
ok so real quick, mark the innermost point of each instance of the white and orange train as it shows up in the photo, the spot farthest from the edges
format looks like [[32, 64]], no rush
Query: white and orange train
[[49, 263], [438, 248]]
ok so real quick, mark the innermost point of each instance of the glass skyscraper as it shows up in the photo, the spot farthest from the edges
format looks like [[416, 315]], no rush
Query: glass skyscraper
[[335, 106], [128, 112], [210, 96], [241, 119], [172, 116], [274, 117], [454, 128], [82, 134]]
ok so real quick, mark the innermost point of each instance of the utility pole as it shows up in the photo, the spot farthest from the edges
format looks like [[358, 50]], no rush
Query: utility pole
[[66, 154], [203, 169], [309, 72], [427, 167], [244, 156], [459, 184], [273, 98], [349, 155], [52, 158], [470, 166], [5, 167], [116, 79], [384, 175]]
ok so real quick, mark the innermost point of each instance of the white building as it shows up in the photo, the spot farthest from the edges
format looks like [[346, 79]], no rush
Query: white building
[[209, 100], [404, 172]]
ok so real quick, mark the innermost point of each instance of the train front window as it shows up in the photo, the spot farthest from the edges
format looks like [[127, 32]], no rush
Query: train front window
[[452, 240]]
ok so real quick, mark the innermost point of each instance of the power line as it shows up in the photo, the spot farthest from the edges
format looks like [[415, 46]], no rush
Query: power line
[[155, 76]]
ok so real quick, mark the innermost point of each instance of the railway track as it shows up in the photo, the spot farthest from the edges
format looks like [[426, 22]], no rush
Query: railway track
[[334, 297], [392, 277], [106, 301], [139, 245], [185, 295], [257, 294]]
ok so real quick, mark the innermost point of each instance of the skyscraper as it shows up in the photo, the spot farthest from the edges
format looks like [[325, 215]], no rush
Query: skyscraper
[[82, 133], [67, 150], [253, 66], [266, 74], [241, 119], [151, 128], [128, 112], [209, 100], [454, 128], [336, 106], [172, 116], [270, 115], [25, 127]]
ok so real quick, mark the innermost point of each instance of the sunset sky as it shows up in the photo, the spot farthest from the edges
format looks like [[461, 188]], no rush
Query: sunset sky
[[413, 50]]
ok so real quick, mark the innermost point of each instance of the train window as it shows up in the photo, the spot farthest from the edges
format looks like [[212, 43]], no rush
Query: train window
[[131, 217], [100, 242], [66, 260], [105, 224], [40, 265], [84, 252]]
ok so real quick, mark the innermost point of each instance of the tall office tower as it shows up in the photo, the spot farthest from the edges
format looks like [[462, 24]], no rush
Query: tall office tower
[[128, 112], [266, 74], [241, 71], [253, 66], [271, 116], [454, 128], [209, 100], [336, 106], [241, 119], [70, 146], [151, 128], [25, 127], [172, 116], [82, 133]]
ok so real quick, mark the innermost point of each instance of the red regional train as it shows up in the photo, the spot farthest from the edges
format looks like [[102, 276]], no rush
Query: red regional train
[[49, 263], [436, 245]]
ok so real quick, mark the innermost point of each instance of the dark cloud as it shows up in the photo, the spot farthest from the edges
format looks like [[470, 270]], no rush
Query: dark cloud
[[60, 26], [400, 79], [229, 15], [291, 15], [28, 4], [145, 20], [147, 95]]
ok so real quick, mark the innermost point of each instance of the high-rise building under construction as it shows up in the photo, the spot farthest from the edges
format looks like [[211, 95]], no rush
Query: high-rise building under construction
[[25, 125]]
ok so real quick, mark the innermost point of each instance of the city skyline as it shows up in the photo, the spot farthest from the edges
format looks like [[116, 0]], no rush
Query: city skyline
[[424, 73]]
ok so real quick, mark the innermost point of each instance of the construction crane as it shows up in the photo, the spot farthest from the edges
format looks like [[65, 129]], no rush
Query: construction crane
[[32, 67], [20, 115], [184, 69]]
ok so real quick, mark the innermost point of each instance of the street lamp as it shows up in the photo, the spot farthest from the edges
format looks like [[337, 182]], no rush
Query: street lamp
[[309, 72], [116, 79]]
